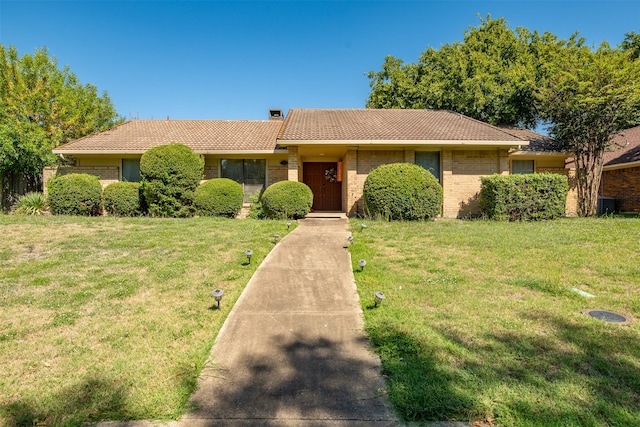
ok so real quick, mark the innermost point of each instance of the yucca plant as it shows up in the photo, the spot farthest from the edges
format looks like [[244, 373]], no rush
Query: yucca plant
[[31, 204]]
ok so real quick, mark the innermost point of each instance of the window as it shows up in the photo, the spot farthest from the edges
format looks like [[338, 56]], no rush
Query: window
[[251, 173], [430, 160], [131, 170], [521, 166]]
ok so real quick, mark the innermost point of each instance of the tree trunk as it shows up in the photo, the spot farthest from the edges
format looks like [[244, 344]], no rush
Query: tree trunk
[[588, 174]]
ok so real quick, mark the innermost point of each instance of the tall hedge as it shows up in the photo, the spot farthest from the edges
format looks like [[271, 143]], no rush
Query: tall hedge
[[402, 191], [524, 197], [122, 199], [219, 197], [75, 194], [287, 199], [169, 176]]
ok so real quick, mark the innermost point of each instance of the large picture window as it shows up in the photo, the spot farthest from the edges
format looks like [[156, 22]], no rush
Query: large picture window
[[251, 173], [131, 170], [430, 160]]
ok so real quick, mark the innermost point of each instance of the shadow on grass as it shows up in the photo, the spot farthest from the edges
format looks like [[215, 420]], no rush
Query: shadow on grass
[[582, 374], [304, 377], [418, 387], [89, 400]]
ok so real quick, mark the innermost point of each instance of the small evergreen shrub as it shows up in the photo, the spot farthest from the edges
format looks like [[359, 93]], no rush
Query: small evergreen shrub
[[75, 194], [402, 191], [219, 197], [169, 176], [31, 204], [122, 199], [527, 197], [287, 199]]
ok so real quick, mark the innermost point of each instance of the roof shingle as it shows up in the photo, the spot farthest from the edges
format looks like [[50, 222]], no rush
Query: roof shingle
[[626, 148], [202, 136], [388, 125]]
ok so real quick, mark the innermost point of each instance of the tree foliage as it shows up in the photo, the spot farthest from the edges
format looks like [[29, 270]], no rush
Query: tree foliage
[[588, 97], [489, 76], [43, 106], [525, 78]]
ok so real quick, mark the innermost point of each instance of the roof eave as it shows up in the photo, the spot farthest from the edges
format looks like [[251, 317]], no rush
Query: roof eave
[[621, 166], [438, 142], [81, 152]]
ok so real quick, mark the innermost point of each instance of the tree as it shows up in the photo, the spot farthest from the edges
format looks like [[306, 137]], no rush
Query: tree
[[524, 78], [41, 107], [588, 97], [489, 76], [631, 43]]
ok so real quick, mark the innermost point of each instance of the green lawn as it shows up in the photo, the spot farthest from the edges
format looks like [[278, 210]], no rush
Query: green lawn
[[480, 323], [106, 318]]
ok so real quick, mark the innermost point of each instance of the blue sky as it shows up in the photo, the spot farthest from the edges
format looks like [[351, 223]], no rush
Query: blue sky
[[238, 59]]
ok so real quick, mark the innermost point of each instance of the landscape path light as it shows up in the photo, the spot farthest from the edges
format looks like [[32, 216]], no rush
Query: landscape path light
[[362, 263], [378, 297], [349, 241], [276, 237], [217, 295], [248, 253], [362, 227], [288, 224]]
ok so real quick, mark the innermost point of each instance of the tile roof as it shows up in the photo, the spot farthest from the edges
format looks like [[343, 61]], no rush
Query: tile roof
[[626, 148], [537, 142], [202, 136], [388, 125]]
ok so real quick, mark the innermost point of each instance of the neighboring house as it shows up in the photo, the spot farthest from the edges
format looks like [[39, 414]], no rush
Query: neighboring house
[[331, 150], [621, 171]]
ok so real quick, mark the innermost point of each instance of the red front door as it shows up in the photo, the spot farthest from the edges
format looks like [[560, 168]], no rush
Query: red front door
[[322, 179]]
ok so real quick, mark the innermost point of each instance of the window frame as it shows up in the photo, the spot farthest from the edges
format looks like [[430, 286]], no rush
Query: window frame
[[245, 169], [122, 170], [438, 176], [521, 170]]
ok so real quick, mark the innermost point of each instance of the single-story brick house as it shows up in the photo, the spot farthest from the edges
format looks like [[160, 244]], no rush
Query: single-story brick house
[[621, 171], [331, 150]]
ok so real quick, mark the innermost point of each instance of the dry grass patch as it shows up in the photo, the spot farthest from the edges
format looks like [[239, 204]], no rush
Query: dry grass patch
[[107, 318]]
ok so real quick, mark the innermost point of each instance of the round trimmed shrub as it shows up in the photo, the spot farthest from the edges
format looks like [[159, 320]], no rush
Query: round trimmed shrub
[[219, 197], [287, 199], [402, 191], [169, 176], [122, 199], [75, 194]]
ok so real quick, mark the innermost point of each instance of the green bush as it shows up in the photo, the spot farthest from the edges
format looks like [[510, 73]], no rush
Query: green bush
[[287, 199], [31, 204], [524, 197], [402, 191], [219, 197], [75, 194], [169, 176], [122, 199]]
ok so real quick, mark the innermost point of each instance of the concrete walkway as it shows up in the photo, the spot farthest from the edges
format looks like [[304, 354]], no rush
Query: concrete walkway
[[292, 351]]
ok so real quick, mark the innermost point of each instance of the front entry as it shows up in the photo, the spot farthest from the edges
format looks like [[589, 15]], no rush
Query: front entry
[[322, 178]]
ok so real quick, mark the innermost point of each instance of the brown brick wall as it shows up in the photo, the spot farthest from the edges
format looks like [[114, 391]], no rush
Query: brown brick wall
[[624, 186], [277, 174], [106, 174], [461, 172], [211, 172]]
